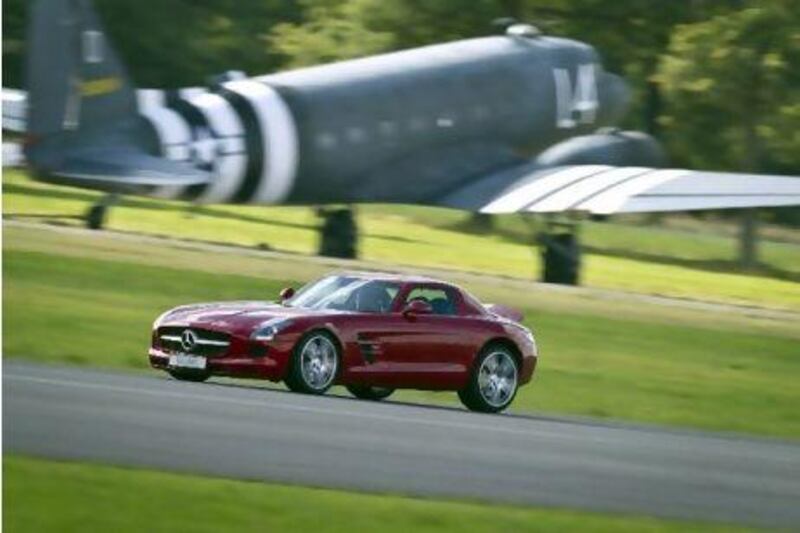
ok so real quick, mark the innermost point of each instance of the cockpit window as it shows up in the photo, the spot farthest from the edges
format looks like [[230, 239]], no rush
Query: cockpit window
[[346, 293]]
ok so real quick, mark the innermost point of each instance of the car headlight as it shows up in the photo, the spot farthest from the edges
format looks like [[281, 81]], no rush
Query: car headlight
[[267, 330]]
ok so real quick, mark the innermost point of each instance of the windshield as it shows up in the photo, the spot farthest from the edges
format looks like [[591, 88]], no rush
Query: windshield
[[347, 294]]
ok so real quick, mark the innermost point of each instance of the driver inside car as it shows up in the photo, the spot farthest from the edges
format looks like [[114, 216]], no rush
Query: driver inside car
[[372, 298]]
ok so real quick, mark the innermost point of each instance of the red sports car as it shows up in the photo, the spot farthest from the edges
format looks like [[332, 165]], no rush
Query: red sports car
[[371, 332]]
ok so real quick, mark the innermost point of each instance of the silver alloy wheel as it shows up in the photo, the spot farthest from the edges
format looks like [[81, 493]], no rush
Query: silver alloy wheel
[[497, 378], [318, 362]]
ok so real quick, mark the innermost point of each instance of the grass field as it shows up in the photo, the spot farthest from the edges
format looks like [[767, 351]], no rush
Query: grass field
[[627, 257], [47, 496], [633, 361]]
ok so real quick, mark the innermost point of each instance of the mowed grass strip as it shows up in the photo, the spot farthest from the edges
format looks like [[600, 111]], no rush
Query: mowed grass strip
[[522, 294], [99, 312], [47, 496], [636, 259]]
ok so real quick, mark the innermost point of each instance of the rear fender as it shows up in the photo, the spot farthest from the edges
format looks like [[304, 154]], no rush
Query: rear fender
[[505, 312]]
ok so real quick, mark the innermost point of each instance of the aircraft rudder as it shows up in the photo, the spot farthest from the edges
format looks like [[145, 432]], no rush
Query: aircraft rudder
[[74, 76]]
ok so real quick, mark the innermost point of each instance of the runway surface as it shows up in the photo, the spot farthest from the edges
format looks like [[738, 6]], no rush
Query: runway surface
[[252, 433]]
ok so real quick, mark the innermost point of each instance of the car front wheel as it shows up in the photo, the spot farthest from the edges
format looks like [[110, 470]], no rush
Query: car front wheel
[[366, 392], [493, 383], [315, 363]]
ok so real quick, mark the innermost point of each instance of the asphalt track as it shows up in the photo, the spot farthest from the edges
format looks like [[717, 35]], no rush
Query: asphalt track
[[247, 432]]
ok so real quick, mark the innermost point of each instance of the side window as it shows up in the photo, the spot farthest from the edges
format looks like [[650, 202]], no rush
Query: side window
[[442, 300], [372, 297]]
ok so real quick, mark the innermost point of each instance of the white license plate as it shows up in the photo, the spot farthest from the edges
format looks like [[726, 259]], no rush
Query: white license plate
[[187, 361]]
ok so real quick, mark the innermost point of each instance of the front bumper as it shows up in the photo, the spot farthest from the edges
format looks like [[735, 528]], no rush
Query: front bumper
[[271, 363]]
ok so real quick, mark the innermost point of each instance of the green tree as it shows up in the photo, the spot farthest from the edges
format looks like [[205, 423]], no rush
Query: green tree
[[171, 43], [331, 30], [14, 12], [733, 90], [733, 94]]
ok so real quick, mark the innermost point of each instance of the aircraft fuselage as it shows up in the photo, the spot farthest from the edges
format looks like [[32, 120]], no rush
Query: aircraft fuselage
[[348, 131]]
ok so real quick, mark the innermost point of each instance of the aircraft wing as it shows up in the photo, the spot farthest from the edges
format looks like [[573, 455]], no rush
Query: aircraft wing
[[605, 190], [15, 110], [12, 155]]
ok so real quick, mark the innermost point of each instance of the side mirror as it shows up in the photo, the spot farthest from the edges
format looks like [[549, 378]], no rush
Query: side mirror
[[286, 294], [417, 307]]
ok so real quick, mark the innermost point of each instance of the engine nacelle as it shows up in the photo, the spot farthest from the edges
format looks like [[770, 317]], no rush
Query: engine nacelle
[[606, 147]]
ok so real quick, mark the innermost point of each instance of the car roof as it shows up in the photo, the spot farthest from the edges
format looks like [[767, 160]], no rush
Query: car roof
[[390, 276]]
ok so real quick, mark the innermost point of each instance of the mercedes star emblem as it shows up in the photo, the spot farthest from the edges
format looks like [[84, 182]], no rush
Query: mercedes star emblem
[[188, 339]]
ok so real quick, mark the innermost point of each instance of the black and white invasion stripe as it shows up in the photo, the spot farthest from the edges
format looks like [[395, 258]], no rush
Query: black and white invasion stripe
[[243, 133], [279, 142], [590, 188], [173, 132]]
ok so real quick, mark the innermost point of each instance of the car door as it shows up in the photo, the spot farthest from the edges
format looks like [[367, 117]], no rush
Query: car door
[[431, 351], [368, 333], [372, 348]]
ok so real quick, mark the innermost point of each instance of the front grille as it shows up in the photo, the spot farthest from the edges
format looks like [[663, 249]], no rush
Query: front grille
[[207, 342]]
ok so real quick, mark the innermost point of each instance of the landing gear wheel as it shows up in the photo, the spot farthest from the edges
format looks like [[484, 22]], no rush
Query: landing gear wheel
[[197, 376], [366, 392], [97, 213], [315, 364], [96, 216], [493, 383], [339, 233]]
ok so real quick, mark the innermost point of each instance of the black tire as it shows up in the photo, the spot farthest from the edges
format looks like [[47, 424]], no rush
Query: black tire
[[96, 217], [472, 396], [197, 376], [299, 381], [367, 392]]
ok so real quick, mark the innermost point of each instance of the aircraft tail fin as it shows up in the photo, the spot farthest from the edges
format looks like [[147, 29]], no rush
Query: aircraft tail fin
[[83, 126], [74, 77]]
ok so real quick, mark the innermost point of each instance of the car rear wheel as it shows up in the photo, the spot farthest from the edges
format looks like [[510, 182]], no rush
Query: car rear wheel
[[493, 383], [315, 364], [366, 392], [189, 375]]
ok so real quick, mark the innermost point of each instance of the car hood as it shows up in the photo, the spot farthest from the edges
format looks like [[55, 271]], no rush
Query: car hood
[[233, 316]]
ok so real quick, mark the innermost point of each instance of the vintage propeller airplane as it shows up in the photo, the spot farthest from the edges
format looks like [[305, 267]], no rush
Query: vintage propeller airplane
[[520, 122]]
